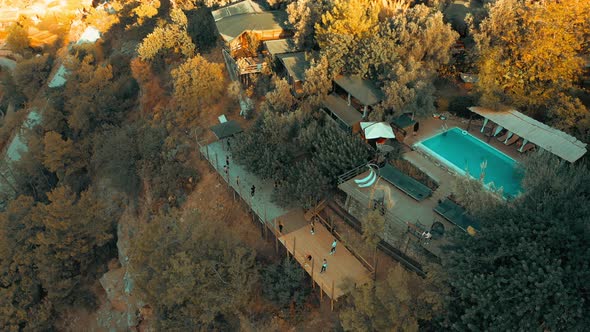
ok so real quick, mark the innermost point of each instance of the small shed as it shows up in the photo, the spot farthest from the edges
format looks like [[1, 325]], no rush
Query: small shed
[[280, 46], [226, 129], [402, 126], [295, 64]]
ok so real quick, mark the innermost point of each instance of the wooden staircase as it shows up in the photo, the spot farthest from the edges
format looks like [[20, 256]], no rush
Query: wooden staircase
[[309, 214]]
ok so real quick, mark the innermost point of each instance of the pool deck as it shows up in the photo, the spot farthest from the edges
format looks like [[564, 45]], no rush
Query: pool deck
[[409, 210]]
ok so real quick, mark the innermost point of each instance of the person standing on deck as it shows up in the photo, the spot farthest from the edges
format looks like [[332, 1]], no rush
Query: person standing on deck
[[333, 250], [312, 226], [324, 266]]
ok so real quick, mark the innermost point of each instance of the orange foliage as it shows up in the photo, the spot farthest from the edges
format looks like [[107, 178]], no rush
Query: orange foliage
[[152, 97]]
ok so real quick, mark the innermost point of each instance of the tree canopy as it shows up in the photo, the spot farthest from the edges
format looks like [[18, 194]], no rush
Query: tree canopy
[[528, 267], [197, 82], [397, 303], [173, 36], [529, 57], [191, 271], [17, 38]]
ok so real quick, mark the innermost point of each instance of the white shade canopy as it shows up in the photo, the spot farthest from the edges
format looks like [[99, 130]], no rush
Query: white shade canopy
[[377, 130], [555, 141]]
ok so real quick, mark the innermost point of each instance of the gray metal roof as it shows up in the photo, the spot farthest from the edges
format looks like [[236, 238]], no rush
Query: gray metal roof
[[555, 141], [296, 65], [281, 46], [232, 26], [364, 90], [342, 110], [403, 121], [243, 7], [226, 129]]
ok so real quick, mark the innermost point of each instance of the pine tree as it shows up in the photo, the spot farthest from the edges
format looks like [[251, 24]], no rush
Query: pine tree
[[527, 269], [75, 236], [191, 272]]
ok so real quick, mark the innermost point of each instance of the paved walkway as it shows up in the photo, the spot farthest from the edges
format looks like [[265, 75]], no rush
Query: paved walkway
[[296, 235], [261, 202]]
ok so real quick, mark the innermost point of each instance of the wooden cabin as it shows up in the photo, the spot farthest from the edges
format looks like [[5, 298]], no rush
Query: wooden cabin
[[244, 26]]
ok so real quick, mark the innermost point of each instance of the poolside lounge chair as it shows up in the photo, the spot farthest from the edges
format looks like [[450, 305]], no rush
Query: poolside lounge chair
[[502, 136], [527, 147], [512, 139]]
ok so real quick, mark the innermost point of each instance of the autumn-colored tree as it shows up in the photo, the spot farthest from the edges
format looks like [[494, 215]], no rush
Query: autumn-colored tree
[[77, 232], [146, 9], [397, 303], [172, 36], [304, 15], [22, 306], [355, 18], [197, 82], [192, 272], [280, 99], [29, 174], [62, 156], [529, 56], [17, 38], [31, 74], [96, 95]]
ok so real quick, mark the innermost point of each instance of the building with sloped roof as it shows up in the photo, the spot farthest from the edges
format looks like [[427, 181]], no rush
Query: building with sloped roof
[[295, 65], [243, 27]]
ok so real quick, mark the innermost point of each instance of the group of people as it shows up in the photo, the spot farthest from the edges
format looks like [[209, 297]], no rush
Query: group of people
[[280, 225], [226, 171], [309, 257]]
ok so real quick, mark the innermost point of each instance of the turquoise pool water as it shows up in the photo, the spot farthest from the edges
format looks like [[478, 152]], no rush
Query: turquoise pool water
[[465, 153]]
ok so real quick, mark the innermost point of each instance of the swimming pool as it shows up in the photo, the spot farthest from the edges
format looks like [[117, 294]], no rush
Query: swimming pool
[[465, 154]]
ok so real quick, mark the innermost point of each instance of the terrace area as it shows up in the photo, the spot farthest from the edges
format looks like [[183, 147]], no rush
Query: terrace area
[[296, 236]]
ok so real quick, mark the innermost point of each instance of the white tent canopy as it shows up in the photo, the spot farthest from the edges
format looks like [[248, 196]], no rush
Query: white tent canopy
[[555, 141], [377, 130]]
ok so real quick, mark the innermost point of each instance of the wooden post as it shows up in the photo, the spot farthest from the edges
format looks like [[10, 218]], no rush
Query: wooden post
[[294, 243], [312, 268], [332, 299], [216, 163], [265, 226], [332, 225], [321, 292], [375, 264], [276, 236]]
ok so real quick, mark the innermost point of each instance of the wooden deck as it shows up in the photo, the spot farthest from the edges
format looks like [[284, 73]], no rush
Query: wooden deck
[[296, 236], [342, 265]]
